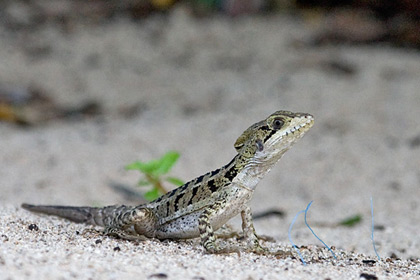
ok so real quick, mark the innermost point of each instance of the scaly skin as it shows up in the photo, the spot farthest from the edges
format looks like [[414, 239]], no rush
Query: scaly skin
[[203, 205]]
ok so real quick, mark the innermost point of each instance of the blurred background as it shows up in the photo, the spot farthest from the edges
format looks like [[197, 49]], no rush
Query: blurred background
[[70, 58], [87, 87]]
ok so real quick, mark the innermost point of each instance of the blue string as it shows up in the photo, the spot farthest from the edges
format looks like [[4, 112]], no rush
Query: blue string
[[373, 228], [290, 236], [329, 249]]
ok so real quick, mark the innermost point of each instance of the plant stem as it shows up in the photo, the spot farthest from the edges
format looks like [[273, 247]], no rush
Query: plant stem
[[156, 184]]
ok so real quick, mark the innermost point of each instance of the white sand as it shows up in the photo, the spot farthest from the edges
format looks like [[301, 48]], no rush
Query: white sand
[[202, 82]]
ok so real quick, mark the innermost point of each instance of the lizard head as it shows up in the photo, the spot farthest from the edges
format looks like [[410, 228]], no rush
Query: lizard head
[[267, 140]]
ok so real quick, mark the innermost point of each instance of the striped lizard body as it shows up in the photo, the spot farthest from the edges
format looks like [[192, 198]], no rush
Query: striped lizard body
[[206, 203]]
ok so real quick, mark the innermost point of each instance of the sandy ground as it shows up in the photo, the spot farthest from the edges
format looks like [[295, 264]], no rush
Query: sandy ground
[[200, 83]]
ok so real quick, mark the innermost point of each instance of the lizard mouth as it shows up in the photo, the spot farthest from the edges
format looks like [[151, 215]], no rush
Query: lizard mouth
[[286, 137], [302, 125]]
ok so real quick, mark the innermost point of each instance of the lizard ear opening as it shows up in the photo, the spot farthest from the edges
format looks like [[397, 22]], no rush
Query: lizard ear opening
[[260, 145]]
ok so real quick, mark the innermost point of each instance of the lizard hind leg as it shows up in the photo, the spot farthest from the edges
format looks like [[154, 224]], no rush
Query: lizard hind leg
[[124, 234], [138, 223]]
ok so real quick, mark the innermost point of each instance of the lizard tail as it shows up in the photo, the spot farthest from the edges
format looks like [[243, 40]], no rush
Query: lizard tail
[[88, 215]]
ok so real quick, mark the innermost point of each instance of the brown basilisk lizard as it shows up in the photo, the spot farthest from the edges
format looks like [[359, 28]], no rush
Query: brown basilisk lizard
[[206, 203]]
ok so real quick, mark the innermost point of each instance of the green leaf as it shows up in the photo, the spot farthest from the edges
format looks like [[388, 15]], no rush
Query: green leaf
[[351, 221], [143, 183], [152, 194], [175, 181], [166, 162], [145, 167]]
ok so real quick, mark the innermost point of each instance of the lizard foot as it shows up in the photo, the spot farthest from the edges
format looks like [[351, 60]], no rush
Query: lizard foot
[[91, 232], [265, 238], [256, 248], [117, 232], [227, 232], [266, 252], [224, 250]]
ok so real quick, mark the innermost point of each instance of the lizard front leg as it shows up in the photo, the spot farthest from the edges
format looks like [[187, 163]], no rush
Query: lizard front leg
[[249, 233], [252, 238], [208, 238]]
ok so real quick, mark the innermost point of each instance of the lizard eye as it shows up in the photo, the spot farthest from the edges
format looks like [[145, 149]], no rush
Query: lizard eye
[[277, 124]]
